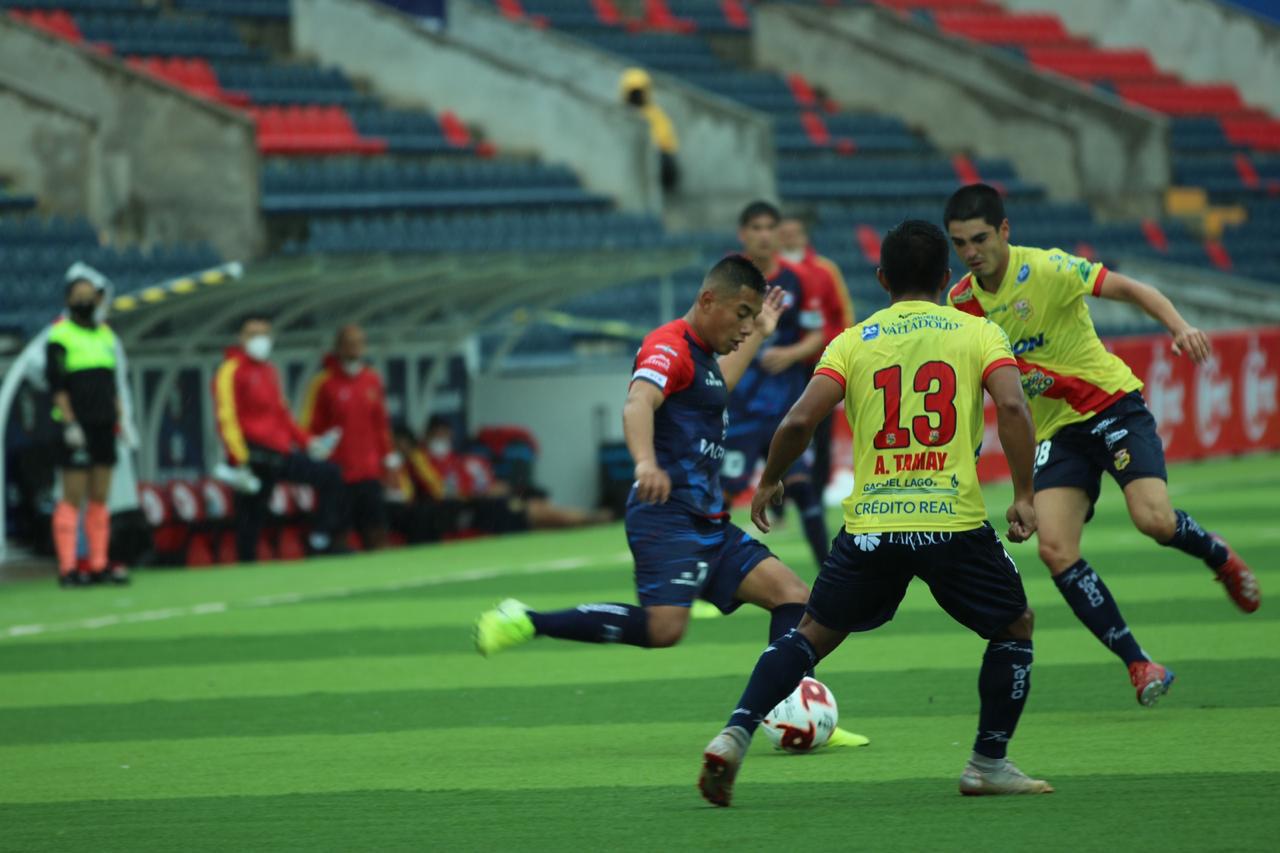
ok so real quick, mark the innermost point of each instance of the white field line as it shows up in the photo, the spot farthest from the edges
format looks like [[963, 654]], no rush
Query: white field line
[[286, 598]]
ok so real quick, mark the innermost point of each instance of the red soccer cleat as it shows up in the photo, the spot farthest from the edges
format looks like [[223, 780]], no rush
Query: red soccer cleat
[[1151, 679], [1239, 580]]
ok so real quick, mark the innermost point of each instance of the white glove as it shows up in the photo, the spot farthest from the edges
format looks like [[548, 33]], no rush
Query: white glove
[[321, 447], [239, 478], [129, 435], [392, 461], [73, 435]]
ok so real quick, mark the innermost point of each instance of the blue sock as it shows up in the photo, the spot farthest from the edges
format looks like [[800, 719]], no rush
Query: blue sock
[[777, 673], [1190, 538], [813, 517], [782, 619], [595, 623], [1093, 605], [1003, 684]]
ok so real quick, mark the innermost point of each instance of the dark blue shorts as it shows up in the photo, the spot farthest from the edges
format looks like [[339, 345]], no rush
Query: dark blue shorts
[[1121, 440], [969, 573], [747, 443], [680, 556]]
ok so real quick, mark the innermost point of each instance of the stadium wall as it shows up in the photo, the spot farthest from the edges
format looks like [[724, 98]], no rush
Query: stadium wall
[[1079, 144], [570, 415], [726, 150], [519, 108], [142, 160], [1201, 40]]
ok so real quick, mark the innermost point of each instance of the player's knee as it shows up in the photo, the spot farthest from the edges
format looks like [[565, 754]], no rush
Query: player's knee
[[1022, 627], [1058, 556], [665, 633], [1156, 523]]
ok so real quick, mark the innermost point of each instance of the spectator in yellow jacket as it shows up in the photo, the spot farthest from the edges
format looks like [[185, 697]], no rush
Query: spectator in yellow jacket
[[637, 91]]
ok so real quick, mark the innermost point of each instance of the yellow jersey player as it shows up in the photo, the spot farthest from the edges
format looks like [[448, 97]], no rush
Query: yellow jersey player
[[911, 378], [1089, 413]]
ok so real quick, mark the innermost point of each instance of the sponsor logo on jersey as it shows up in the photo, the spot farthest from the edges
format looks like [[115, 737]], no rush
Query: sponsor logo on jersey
[[1084, 268], [962, 293], [1023, 309], [658, 361], [1035, 383], [871, 332], [653, 376], [1122, 459], [1026, 345], [710, 449], [1024, 273], [714, 381], [668, 350]]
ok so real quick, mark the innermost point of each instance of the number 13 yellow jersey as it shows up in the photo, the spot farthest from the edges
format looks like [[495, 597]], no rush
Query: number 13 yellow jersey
[[912, 377]]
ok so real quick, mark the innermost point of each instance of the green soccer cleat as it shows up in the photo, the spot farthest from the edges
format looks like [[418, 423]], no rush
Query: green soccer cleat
[[504, 626], [842, 738]]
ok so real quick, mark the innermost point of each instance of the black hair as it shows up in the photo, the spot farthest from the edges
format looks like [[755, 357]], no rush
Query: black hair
[[759, 207], [253, 317], [913, 258], [975, 201], [436, 421], [733, 273], [400, 429]]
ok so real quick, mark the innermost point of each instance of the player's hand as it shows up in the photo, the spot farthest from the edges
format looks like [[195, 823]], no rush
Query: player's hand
[[1192, 342], [766, 493], [73, 435], [771, 312], [774, 360], [1022, 520], [653, 485], [129, 435]]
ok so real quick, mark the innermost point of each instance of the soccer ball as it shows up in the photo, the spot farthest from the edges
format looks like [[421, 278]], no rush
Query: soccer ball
[[804, 720]]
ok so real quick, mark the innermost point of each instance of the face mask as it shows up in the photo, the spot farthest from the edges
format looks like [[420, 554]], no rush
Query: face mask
[[258, 347], [82, 312], [353, 368], [794, 257], [439, 446]]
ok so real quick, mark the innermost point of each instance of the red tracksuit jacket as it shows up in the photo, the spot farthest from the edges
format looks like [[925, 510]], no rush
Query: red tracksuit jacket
[[250, 408], [358, 404]]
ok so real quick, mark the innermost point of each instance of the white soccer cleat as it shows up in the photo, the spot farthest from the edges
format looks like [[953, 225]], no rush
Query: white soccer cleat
[[720, 762], [1008, 779]]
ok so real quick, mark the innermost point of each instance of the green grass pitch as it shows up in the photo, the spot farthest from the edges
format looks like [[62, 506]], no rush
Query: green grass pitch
[[338, 705]]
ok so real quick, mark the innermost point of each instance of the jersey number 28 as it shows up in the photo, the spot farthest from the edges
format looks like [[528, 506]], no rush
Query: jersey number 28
[[940, 400]]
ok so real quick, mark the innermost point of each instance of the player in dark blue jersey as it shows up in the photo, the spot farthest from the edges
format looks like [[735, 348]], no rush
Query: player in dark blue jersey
[[777, 376], [684, 545]]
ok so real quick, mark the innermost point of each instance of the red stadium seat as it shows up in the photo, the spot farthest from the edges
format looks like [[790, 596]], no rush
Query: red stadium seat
[[219, 516], [1005, 29], [658, 16], [57, 22], [1254, 131], [1183, 98], [311, 130], [1115, 65]]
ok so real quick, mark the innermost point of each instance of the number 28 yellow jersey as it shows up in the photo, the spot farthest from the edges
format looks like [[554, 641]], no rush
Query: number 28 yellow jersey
[[912, 377], [1067, 374]]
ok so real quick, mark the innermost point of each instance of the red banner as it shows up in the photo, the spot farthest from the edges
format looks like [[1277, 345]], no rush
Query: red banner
[[1226, 406]]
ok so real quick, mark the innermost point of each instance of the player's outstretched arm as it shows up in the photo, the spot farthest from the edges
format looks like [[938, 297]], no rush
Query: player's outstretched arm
[[1018, 438], [1186, 338], [733, 365], [789, 442], [653, 485]]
